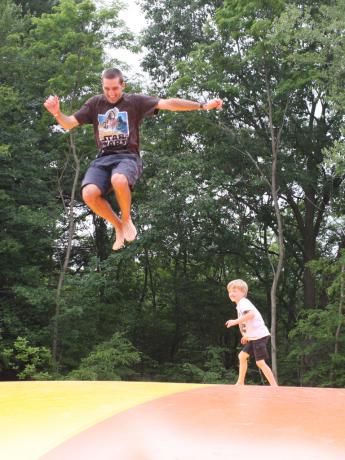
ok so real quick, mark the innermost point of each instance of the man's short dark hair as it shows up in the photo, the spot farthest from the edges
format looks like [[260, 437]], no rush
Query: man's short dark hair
[[112, 73]]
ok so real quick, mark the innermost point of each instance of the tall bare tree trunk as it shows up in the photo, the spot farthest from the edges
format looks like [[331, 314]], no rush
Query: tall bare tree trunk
[[275, 135], [275, 141], [71, 229], [278, 270]]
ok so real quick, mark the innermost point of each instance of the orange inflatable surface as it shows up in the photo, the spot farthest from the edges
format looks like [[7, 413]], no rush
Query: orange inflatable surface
[[167, 421]]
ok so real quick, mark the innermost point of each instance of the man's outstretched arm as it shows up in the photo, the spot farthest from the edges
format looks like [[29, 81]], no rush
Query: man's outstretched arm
[[176, 104], [52, 104]]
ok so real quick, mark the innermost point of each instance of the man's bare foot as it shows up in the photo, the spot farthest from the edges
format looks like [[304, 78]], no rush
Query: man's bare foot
[[237, 384], [129, 230], [119, 240]]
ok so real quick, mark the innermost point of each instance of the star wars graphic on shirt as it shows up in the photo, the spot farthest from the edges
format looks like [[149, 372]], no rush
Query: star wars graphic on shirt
[[113, 128], [116, 126]]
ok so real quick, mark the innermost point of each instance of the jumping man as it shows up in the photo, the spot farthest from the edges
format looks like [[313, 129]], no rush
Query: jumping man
[[116, 117]]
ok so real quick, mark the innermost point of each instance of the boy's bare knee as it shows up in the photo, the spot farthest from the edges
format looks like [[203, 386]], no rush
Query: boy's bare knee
[[261, 363], [90, 192], [243, 356], [119, 180]]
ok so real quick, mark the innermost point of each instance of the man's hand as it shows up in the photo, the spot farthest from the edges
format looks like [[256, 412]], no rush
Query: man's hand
[[231, 322], [213, 104], [244, 340], [52, 104]]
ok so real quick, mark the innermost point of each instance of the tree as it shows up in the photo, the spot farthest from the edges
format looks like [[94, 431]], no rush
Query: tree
[[111, 360], [76, 72], [270, 62], [36, 7], [318, 339], [27, 207], [28, 361], [41, 164], [174, 28]]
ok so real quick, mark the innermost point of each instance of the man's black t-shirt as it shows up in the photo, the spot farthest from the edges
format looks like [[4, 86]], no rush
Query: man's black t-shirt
[[116, 126]]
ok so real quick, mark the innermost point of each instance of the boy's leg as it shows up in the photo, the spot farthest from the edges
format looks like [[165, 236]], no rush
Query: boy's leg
[[267, 372], [92, 196], [123, 195], [261, 354], [243, 357]]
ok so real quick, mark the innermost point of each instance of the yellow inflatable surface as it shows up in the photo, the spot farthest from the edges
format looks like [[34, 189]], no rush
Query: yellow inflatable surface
[[37, 416], [169, 421]]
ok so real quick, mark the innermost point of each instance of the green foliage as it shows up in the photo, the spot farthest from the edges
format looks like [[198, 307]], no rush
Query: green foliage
[[29, 362], [36, 7], [210, 369], [312, 343], [335, 157], [215, 370], [317, 341], [114, 359]]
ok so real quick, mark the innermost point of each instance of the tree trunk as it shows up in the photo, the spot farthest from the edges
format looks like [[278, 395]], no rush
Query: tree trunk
[[309, 246], [275, 141], [177, 310], [152, 286], [71, 229], [144, 290], [309, 288]]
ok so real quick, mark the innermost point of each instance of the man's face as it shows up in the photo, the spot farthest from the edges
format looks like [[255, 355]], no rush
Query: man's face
[[112, 89]]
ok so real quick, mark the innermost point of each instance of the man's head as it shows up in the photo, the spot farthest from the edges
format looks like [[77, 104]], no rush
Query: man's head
[[237, 289], [113, 84]]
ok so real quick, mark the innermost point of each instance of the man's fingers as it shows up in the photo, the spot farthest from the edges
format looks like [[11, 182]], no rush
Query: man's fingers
[[51, 101], [52, 104], [217, 103]]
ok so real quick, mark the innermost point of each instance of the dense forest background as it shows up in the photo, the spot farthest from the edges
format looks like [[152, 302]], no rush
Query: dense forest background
[[70, 308]]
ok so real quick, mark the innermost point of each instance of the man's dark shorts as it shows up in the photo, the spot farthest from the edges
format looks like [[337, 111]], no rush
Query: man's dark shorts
[[257, 348], [102, 168]]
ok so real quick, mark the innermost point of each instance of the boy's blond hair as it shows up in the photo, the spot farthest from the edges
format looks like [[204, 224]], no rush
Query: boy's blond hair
[[240, 284]]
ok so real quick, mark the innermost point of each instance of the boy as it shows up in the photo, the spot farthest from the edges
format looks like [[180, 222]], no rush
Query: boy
[[255, 334]]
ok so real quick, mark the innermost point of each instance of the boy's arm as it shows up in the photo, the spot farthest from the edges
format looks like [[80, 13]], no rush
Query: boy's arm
[[176, 104], [246, 317], [52, 104]]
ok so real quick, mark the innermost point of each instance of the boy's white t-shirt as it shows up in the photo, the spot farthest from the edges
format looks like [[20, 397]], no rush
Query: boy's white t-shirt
[[254, 328]]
